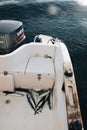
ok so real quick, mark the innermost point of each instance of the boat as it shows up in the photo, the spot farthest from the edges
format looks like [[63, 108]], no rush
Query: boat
[[38, 88]]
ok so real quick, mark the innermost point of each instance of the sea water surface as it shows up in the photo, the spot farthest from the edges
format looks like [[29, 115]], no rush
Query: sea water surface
[[65, 19]]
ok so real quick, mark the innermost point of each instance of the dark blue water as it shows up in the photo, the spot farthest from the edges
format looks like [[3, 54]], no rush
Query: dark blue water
[[68, 22]]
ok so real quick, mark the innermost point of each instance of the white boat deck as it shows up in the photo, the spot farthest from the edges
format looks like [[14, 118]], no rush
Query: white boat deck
[[17, 114]]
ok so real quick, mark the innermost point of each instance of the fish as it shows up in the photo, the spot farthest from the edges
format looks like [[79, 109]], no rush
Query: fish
[[40, 105], [40, 92], [22, 90], [42, 102], [38, 98], [32, 96], [31, 102], [50, 100], [8, 92], [44, 94]]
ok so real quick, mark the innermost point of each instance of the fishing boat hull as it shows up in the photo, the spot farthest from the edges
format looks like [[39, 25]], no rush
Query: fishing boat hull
[[32, 68]]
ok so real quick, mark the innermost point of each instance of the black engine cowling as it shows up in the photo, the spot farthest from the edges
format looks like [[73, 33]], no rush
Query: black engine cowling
[[11, 35]]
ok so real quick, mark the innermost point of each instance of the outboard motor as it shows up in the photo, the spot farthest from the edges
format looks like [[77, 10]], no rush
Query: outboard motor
[[11, 35]]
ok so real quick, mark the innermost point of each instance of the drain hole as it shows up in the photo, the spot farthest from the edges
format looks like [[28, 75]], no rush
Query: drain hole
[[7, 101]]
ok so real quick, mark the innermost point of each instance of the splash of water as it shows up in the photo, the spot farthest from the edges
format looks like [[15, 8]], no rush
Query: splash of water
[[43, 1], [53, 10], [6, 2], [82, 2]]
